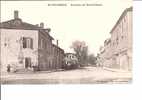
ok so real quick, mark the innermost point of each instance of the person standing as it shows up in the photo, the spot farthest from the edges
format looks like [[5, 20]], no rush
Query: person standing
[[8, 68]]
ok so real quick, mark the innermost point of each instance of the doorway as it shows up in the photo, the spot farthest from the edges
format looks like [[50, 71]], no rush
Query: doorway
[[27, 62]]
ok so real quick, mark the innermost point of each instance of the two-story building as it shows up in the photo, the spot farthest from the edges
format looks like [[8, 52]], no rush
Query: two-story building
[[121, 41], [24, 45], [118, 48]]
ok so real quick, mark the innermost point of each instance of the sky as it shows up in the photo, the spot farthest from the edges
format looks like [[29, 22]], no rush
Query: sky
[[91, 24]]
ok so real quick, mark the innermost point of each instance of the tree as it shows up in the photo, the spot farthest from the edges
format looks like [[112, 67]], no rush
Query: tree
[[81, 50], [92, 59]]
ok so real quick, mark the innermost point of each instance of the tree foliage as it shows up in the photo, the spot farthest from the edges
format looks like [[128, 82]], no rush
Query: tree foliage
[[92, 59], [81, 50]]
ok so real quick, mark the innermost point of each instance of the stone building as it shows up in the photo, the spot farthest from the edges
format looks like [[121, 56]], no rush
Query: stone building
[[100, 57], [118, 48], [58, 56], [24, 45], [105, 53]]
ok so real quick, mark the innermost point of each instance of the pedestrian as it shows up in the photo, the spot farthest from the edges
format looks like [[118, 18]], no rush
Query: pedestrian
[[34, 68], [8, 68]]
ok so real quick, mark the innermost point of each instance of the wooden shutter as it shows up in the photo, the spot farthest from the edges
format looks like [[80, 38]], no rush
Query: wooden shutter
[[31, 43], [24, 42]]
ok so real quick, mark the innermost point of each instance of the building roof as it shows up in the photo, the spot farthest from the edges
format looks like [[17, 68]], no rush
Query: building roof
[[57, 47], [19, 24], [122, 15], [47, 33], [70, 54]]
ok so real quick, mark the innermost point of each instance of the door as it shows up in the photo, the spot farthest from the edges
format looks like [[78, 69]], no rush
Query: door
[[27, 62], [124, 62]]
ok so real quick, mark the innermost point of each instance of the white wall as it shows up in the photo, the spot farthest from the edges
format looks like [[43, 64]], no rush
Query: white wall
[[9, 53]]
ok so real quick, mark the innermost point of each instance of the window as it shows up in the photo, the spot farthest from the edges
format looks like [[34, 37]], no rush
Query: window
[[41, 44], [68, 56], [72, 57], [117, 40], [27, 42], [6, 41], [125, 19]]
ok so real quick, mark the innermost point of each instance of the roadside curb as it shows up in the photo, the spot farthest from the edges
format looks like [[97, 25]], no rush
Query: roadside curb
[[116, 70]]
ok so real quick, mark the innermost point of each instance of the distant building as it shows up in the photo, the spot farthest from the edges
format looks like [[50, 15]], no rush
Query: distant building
[[70, 60], [105, 55], [24, 45], [118, 48]]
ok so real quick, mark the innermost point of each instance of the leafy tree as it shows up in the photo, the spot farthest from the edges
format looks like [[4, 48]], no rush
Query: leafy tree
[[81, 50], [92, 59]]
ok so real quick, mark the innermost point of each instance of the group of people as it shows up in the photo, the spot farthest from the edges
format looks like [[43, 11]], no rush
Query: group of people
[[10, 68]]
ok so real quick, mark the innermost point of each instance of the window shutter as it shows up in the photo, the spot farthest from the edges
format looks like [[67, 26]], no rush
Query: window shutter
[[24, 42], [31, 43]]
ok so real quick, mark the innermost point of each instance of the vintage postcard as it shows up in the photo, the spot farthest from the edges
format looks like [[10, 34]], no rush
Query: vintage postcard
[[66, 42]]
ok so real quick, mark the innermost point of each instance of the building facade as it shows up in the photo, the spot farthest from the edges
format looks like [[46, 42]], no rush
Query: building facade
[[118, 48], [58, 56], [70, 61], [27, 46], [70, 57]]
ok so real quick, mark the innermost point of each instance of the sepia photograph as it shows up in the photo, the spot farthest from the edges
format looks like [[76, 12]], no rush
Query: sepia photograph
[[66, 42]]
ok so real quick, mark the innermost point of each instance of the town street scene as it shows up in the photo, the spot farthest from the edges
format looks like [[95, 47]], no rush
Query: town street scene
[[44, 43]]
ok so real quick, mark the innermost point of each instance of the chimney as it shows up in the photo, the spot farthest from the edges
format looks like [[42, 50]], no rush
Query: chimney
[[42, 25], [16, 14], [48, 30], [57, 42]]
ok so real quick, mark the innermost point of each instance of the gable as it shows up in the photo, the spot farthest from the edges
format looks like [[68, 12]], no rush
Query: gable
[[18, 24]]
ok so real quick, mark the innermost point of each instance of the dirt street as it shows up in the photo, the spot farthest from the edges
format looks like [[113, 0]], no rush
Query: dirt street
[[86, 75]]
